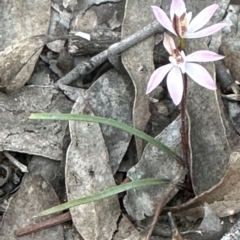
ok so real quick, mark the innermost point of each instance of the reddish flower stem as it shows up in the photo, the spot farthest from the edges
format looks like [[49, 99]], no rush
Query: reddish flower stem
[[183, 130]]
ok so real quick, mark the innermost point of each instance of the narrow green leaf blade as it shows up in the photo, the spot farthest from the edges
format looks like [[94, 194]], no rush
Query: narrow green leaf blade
[[106, 193], [110, 122]]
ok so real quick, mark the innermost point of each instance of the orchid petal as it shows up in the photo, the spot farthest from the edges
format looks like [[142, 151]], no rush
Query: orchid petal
[[175, 85], [206, 31], [157, 77], [189, 17], [162, 17], [178, 7], [200, 75], [182, 67], [203, 56], [202, 18], [173, 60], [168, 43]]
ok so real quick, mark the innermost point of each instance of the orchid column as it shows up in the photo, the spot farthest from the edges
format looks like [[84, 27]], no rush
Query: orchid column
[[182, 25]]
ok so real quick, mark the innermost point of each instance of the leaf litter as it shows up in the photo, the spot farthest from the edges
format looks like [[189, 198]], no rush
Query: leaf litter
[[95, 151]]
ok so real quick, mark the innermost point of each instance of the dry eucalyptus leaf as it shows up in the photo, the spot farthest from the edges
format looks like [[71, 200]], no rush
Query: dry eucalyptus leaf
[[154, 163], [17, 62], [52, 171], [88, 171], [111, 96], [35, 137], [140, 55], [21, 21], [34, 196]]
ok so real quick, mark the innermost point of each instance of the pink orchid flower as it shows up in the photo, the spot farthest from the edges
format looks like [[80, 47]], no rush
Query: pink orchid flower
[[181, 24], [179, 64]]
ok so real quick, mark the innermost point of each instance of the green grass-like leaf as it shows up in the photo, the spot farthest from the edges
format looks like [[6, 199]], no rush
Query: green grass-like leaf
[[106, 193], [110, 122]]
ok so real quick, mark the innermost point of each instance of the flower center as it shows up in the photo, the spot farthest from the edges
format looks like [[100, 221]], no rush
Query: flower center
[[178, 56], [178, 59], [180, 24]]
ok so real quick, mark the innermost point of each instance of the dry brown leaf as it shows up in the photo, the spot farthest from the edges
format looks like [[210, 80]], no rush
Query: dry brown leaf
[[19, 134], [88, 171], [111, 96], [20, 50], [154, 163], [34, 196], [138, 60], [17, 62]]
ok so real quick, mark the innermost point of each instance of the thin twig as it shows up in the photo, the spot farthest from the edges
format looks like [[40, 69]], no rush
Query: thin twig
[[85, 68], [159, 208], [15, 162], [175, 233], [50, 222]]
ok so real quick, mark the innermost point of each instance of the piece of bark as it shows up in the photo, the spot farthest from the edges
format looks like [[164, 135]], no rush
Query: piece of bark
[[139, 56]]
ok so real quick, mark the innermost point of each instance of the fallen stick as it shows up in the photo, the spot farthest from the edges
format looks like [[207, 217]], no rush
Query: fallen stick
[[47, 223], [85, 68]]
